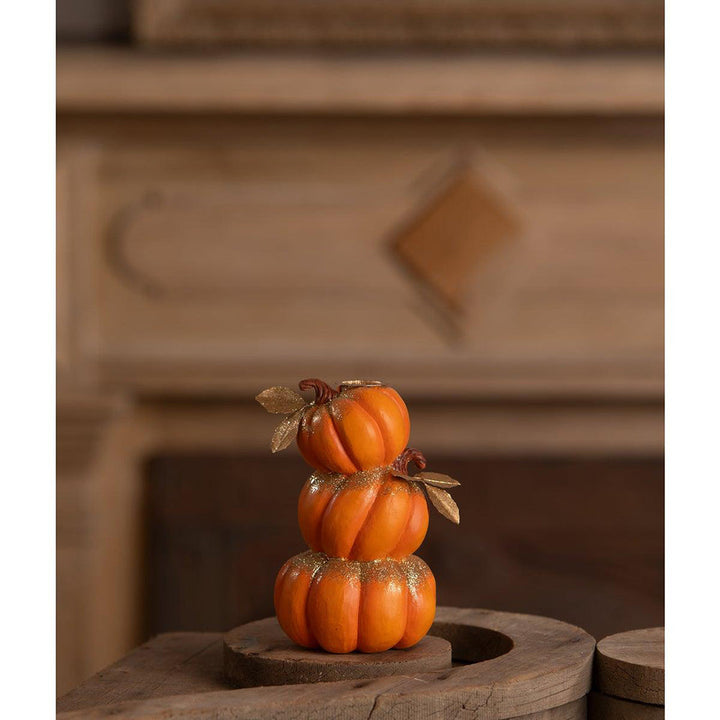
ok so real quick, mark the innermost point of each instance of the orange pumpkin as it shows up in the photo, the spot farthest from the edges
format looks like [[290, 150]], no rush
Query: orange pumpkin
[[365, 516], [359, 426], [341, 605]]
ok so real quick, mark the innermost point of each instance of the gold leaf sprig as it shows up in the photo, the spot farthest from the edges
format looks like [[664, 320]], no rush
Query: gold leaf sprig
[[444, 503], [286, 431], [433, 484], [438, 479], [281, 400]]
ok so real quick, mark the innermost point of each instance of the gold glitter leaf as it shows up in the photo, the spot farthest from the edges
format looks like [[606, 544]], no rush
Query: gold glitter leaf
[[286, 431], [280, 400], [443, 503], [438, 480]]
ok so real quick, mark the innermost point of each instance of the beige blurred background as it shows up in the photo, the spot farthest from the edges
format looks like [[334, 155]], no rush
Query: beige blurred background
[[462, 198]]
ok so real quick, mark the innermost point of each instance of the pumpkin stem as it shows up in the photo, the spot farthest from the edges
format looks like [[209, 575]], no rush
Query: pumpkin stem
[[407, 456], [323, 392]]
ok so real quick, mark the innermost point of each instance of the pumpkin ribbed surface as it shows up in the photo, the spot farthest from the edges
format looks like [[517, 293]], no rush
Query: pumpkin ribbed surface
[[341, 605], [366, 516], [355, 428]]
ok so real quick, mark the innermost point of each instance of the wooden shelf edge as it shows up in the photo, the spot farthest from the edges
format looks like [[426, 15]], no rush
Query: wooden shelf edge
[[129, 80]]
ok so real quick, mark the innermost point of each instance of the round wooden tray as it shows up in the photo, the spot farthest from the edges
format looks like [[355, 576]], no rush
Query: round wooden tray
[[259, 653], [505, 666]]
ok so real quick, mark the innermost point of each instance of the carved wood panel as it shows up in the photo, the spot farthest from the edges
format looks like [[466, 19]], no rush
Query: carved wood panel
[[230, 252], [455, 232]]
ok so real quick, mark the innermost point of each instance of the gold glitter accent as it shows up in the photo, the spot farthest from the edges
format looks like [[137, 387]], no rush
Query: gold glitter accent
[[393, 488], [416, 570], [385, 570], [351, 570], [350, 384], [308, 560], [334, 480], [412, 570], [366, 477], [335, 411], [311, 420], [337, 481]]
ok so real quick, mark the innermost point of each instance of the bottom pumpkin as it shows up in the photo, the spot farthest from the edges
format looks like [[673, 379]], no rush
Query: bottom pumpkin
[[343, 605]]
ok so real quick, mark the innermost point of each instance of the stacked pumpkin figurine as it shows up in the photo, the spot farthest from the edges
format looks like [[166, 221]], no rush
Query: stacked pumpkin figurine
[[362, 514]]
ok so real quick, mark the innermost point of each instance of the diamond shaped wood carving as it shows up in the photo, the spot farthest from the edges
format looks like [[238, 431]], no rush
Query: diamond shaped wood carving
[[451, 237]]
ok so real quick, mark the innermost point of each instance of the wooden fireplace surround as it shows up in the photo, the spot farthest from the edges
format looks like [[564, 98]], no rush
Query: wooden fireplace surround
[[227, 222]]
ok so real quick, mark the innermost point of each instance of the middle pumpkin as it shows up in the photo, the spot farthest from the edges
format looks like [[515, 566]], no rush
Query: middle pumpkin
[[365, 516]]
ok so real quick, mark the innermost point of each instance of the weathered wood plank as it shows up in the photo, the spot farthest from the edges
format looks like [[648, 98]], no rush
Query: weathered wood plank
[[170, 664]]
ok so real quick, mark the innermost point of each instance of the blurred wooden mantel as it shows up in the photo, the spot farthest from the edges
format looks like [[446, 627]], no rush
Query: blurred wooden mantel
[[232, 221], [123, 80]]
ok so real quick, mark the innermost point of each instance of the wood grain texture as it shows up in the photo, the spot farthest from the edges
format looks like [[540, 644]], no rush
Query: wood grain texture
[[374, 23], [547, 668], [170, 664], [259, 653], [196, 284], [631, 665], [175, 663], [576, 710], [112, 80], [606, 707]]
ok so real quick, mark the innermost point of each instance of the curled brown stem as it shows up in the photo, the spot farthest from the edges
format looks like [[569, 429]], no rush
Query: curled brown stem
[[407, 456], [323, 392]]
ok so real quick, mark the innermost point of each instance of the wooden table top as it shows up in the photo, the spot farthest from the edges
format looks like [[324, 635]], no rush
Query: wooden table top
[[511, 665], [170, 664]]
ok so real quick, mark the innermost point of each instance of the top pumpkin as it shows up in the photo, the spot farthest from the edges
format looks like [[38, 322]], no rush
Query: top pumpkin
[[359, 426]]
